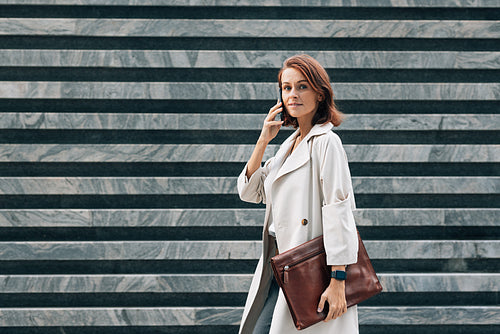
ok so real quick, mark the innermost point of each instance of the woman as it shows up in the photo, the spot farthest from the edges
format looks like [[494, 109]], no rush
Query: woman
[[307, 190]]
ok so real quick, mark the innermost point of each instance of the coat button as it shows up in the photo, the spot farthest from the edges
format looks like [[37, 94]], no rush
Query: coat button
[[304, 222]]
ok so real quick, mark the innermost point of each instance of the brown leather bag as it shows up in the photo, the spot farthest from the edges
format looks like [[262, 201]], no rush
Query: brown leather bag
[[303, 275]]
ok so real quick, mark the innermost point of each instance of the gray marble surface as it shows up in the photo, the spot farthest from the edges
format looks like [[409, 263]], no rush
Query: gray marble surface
[[436, 282], [149, 121], [117, 185], [131, 217], [417, 91], [241, 91], [416, 122], [227, 283], [233, 217], [131, 152], [235, 153], [120, 316], [187, 316], [426, 185], [250, 59], [140, 121], [430, 249], [227, 185], [236, 250], [251, 28], [52, 217], [265, 3], [430, 315], [130, 250], [169, 283], [422, 153], [427, 217]]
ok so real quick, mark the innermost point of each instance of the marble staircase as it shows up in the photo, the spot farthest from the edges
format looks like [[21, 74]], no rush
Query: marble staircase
[[123, 126]]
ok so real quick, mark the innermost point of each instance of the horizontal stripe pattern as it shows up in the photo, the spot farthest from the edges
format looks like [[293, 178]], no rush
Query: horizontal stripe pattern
[[226, 283], [266, 3], [232, 250], [232, 217], [78, 269], [236, 153], [179, 121], [227, 185], [241, 91], [249, 59], [203, 316], [252, 28]]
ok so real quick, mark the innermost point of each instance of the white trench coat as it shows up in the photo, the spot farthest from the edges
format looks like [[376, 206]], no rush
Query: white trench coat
[[313, 183]]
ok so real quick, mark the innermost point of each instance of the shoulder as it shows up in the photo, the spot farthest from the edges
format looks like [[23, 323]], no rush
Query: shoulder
[[328, 141]]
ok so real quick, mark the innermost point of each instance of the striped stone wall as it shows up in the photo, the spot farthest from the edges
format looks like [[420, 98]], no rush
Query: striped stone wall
[[125, 123]]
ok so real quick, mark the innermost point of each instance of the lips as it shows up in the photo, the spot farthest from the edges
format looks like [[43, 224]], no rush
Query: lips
[[294, 104]]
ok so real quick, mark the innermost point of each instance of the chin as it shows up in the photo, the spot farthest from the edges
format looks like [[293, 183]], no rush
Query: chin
[[294, 113]]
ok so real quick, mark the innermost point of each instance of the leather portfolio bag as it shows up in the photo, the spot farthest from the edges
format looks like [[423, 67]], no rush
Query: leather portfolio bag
[[303, 275]]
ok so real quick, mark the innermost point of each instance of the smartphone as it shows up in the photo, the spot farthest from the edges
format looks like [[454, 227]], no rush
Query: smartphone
[[280, 99]]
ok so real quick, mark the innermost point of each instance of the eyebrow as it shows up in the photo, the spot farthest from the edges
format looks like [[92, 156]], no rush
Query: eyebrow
[[286, 82]]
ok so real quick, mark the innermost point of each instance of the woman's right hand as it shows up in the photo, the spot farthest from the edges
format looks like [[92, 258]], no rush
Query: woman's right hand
[[269, 131], [271, 127]]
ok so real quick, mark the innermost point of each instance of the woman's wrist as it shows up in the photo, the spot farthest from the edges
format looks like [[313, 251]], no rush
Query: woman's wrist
[[337, 282], [341, 267], [262, 141]]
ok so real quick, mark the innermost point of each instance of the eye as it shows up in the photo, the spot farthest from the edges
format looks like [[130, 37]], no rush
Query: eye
[[286, 88], [303, 86]]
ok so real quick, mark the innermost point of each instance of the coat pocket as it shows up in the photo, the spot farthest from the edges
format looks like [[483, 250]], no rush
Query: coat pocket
[[339, 233]]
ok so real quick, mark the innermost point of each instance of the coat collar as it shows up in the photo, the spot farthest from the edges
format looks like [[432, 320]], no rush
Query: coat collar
[[301, 155]]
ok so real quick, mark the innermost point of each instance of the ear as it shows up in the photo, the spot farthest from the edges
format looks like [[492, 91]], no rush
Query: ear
[[320, 97]]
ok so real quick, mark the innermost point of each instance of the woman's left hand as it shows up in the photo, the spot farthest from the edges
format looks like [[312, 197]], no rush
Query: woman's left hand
[[335, 296]]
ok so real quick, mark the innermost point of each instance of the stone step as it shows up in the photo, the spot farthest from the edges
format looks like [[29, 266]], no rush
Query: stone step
[[241, 91], [232, 250], [169, 153], [418, 29], [228, 106], [203, 316], [176, 121], [229, 283], [227, 185], [267, 3], [235, 75], [185, 59], [233, 217]]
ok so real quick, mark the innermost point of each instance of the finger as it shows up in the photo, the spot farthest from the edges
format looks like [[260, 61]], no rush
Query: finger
[[321, 304], [275, 123], [331, 313], [336, 313], [275, 112], [272, 121], [340, 311], [276, 106]]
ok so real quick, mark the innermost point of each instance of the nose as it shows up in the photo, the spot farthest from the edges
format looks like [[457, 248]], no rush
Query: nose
[[293, 92]]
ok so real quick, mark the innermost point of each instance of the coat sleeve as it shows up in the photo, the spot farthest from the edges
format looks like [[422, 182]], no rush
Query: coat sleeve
[[252, 189], [339, 228]]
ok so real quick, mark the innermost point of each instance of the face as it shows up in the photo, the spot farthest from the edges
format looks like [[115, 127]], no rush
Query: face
[[300, 99]]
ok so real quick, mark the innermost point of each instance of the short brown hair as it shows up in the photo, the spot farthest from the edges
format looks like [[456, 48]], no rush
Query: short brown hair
[[320, 83]]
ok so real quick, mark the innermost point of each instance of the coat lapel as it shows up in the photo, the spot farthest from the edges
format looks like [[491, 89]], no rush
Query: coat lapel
[[301, 155]]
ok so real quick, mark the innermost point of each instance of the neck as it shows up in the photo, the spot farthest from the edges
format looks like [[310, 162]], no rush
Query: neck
[[305, 125]]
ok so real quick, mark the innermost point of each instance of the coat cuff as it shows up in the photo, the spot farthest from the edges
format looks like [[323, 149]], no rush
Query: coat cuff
[[339, 233], [250, 189]]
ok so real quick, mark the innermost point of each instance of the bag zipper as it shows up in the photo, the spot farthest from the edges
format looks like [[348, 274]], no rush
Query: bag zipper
[[287, 267]]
